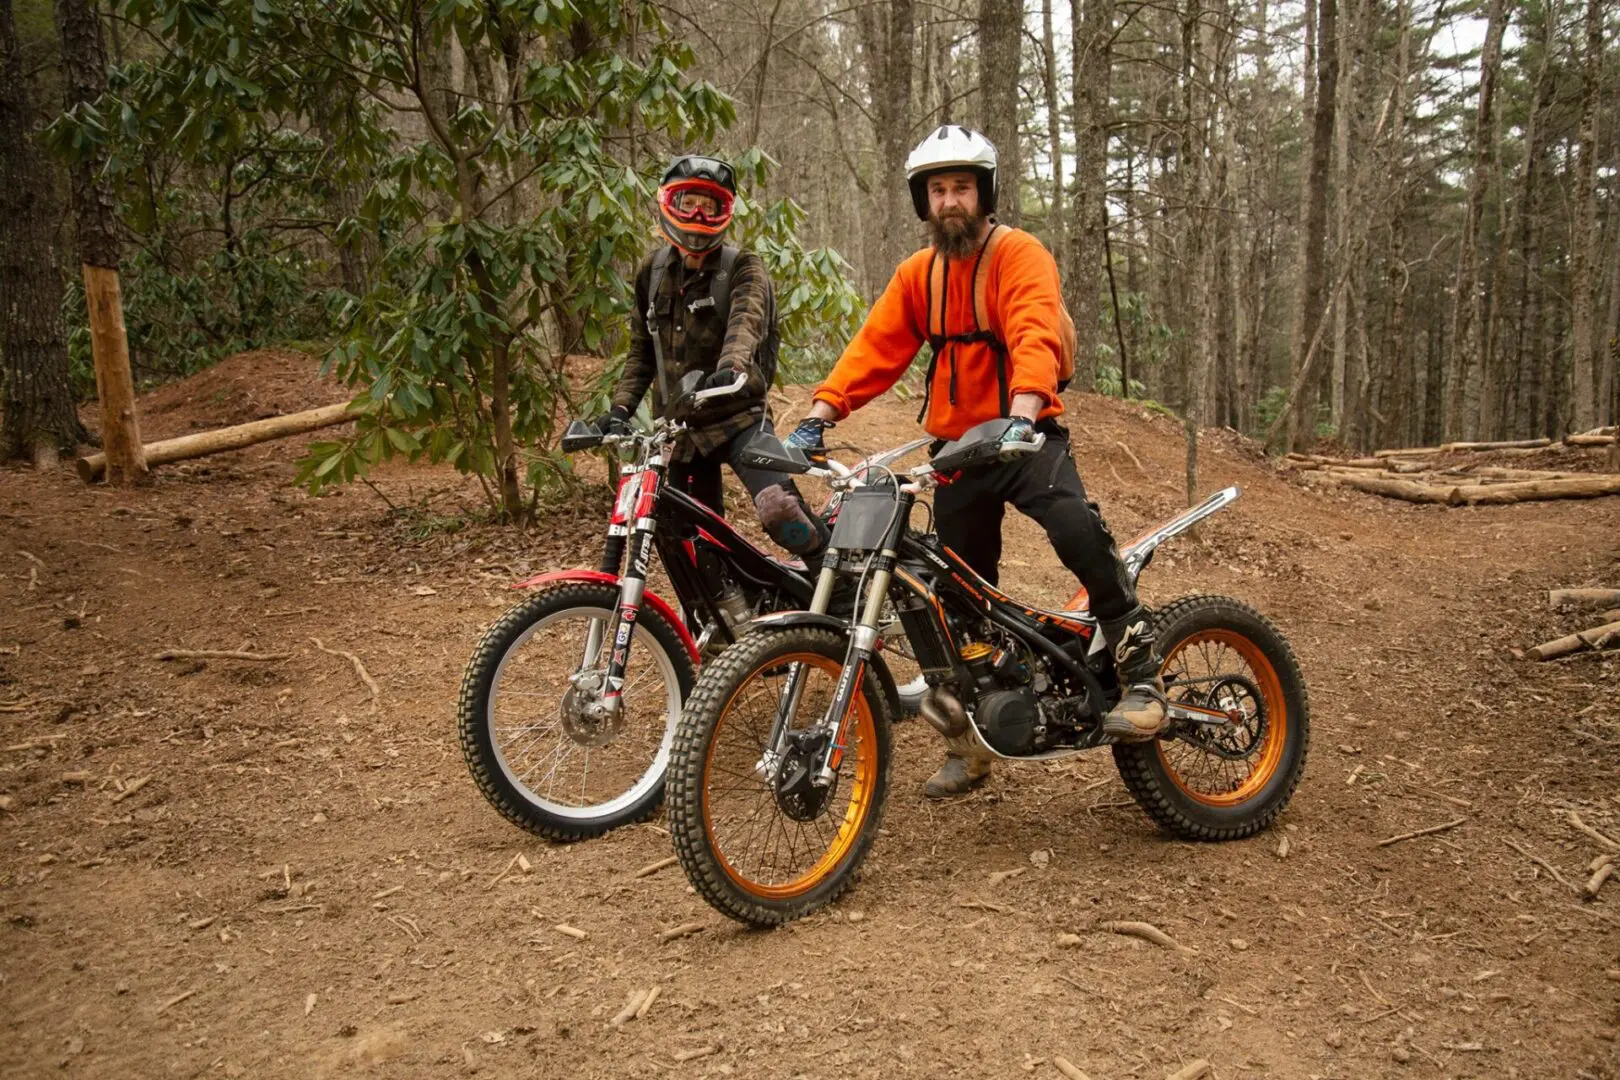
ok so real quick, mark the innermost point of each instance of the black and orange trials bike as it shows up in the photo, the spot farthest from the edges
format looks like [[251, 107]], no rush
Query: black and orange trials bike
[[569, 702], [780, 764]]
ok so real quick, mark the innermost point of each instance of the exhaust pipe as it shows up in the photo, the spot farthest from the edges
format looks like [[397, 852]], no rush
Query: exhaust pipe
[[944, 712]]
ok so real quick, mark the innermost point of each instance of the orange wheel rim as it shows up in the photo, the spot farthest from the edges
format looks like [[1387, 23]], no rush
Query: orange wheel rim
[[759, 847], [1247, 687]]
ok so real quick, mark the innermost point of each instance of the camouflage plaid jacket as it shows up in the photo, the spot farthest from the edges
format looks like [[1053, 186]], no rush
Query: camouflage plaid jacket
[[694, 339]]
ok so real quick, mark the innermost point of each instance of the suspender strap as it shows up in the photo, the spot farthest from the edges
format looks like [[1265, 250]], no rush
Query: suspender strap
[[655, 280]]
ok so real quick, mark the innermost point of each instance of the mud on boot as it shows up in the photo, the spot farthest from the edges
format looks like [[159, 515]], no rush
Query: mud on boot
[[1142, 711], [967, 765]]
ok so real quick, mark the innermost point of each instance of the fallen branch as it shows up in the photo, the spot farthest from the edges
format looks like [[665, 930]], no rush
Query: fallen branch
[[1599, 876], [1511, 444], [1571, 598], [172, 1002], [219, 654], [1062, 1065], [131, 788], [683, 930], [1539, 861], [1430, 831], [628, 1013], [693, 1055], [653, 868], [204, 443], [359, 669], [1588, 440], [1134, 459], [1145, 931], [1597, 638], [1193, 1070], [1601, 838], [647, 1002], [571, 931]]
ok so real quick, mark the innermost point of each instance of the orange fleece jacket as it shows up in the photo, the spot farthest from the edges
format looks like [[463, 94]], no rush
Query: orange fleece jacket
[[1022, 295]]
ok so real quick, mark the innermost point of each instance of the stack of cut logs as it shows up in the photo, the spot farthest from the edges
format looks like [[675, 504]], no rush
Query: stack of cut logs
[[1415, 476], [1605, 635]]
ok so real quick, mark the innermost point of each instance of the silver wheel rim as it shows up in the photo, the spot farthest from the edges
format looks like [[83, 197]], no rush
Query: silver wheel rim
[[520, 769]]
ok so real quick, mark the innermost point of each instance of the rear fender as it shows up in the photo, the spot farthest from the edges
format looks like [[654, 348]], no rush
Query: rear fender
[[597, 577], [1139, 552], [787, 620]]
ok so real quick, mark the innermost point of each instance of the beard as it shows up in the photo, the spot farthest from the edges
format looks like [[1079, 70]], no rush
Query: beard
[[955, 233]]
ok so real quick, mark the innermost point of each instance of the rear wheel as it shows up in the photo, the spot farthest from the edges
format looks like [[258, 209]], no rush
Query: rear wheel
[[758, 840], [1222, 781], [528, 732]]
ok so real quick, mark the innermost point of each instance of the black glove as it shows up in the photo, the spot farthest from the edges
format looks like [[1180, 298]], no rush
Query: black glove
[[616, 421], [807, 437], [725, 377]]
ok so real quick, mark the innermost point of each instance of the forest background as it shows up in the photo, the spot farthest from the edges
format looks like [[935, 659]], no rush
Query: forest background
[[1379, 221]]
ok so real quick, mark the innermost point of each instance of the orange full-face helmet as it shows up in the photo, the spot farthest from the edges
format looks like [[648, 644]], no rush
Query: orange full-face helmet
[[695, 202]]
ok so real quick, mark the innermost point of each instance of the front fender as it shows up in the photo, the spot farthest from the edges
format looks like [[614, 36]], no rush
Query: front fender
[[597, 577], [788, 620]]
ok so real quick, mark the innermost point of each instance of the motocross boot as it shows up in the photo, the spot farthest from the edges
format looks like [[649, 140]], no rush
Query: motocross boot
[[1142, 711], [967, 765]]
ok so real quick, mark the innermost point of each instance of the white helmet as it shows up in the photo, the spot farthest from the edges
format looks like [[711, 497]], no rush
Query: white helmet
[[951, 148]]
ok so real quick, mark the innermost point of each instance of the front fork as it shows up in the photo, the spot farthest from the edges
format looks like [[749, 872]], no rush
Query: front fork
[[863, 645], [632, 588]]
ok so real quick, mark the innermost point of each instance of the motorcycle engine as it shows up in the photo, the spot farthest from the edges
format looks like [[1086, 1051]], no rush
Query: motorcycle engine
[[1007, 718], [1004, 706]]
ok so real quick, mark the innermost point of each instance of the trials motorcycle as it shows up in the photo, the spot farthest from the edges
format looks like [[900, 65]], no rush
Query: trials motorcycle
[[780, 766], [568, 705]]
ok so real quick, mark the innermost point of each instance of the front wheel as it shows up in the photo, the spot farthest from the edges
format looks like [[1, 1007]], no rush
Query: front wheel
[[760, 841], [1222, 781], [537, 750]]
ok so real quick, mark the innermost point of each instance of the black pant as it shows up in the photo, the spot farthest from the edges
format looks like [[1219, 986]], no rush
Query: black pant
[[1045, 486]]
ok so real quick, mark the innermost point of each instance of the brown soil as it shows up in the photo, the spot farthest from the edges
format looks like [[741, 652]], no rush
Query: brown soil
[[228, 868]]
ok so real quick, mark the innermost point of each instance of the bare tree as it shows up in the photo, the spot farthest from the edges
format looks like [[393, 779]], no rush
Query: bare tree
[[1001, 25], [1583, 391]]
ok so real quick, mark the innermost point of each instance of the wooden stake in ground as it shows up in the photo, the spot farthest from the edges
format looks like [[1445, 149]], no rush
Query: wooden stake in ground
[[229, 438], [84, 75]]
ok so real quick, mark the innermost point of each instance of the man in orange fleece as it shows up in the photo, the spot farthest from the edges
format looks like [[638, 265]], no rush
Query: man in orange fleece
[[978, 373]]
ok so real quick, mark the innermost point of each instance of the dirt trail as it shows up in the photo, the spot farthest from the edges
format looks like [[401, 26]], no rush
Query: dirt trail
[[229, 868]]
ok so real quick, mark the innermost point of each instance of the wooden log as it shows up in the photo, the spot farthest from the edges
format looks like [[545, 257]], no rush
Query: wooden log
[[1411, 451], [115, 386], [1392, 488], [1499, 472], [1599, 637], [1579, 598], [1585, 487], [1589, 440], [230, 438], [1510, 444], [1396, 465]]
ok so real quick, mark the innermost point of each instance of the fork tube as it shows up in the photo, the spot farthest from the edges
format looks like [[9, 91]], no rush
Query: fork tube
[[863, 643], [822, 600]]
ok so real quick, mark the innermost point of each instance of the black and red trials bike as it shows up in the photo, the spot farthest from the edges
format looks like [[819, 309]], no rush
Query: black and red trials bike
[[780, 766], [568, 705]]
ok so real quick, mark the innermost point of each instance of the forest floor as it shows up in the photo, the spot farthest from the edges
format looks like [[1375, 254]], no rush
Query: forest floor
[[222, 868]]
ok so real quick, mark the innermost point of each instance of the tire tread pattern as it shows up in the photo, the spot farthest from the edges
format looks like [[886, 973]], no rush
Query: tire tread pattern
[[717, 684], [472, 720], [1139, 765]]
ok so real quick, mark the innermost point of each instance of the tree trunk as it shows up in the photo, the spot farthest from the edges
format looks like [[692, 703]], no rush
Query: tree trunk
[[37, 419], [1001, 26], [84, 75], [1302, 418], [1057, 222], [1092, 32], [888, 35], [1583, 389], [1464, 362]]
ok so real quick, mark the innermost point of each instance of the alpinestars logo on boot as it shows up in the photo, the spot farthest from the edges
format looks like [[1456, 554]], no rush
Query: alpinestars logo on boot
[[1127, 641]]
